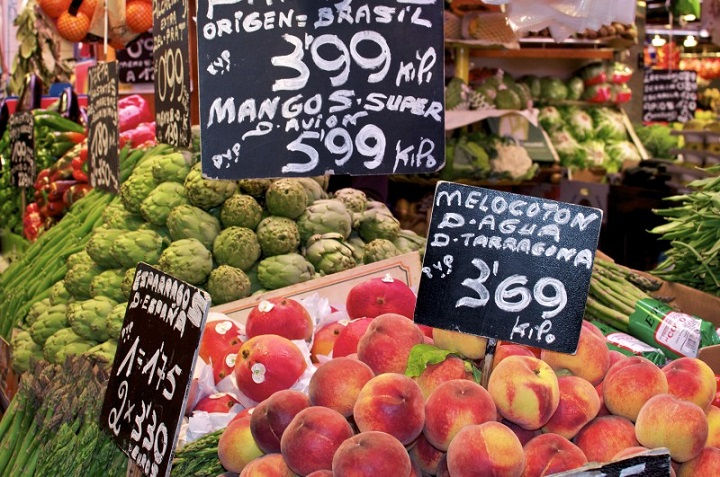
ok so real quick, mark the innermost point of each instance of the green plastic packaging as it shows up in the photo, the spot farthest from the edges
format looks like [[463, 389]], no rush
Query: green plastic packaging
[[628, 345]]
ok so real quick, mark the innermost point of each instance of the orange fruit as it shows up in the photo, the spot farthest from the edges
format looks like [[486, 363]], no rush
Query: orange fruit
[[73, 28], [88, 8], [138, 16], [54, 8]]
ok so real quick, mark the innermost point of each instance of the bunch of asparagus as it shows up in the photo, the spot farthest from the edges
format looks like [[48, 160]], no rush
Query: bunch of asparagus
[[199, 458]]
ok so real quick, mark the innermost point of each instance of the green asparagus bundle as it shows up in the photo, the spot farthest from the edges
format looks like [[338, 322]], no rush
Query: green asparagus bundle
[[199, 458]]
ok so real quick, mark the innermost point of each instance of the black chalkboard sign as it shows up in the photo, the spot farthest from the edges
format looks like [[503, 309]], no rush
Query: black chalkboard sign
[[653, 463], [507, 266], [135, 61], [302, 87], [22, 149], [147, 392], [172, 81], [669, 95], [103, 128]]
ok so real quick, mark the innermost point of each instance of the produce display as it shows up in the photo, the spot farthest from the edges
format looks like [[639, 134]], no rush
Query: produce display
[[493, 89], [658, 140]]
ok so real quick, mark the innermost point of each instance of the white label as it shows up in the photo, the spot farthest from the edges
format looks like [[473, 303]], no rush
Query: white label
[[223, 327], [258, 373], [630, 343], [265, 306], [680, 333]]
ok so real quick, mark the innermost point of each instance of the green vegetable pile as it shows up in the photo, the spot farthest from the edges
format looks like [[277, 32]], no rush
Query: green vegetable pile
[[480, 155], [657, 140], [199, 458]]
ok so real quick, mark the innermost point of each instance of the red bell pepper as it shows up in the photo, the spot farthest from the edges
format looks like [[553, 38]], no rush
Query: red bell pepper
[[58, 188], [32, 222], [80, 167], [75, 193], [33, 207], [43, 178], [144, 133], [69, 136], [53, 209], [133, 110]]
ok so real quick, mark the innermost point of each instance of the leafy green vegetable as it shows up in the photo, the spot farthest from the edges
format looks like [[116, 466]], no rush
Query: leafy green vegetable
[[569, 150], [576, 87], [580, 124], [657, 140], [423, 355], [608, 124], [550, 119]]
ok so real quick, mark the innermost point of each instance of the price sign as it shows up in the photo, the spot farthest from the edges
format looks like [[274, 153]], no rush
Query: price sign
[[172, 81], [22, 149], [309, 87], [669, 95], [652, 463], [135, 61], [103, 129], [145, 398], [507, 266]]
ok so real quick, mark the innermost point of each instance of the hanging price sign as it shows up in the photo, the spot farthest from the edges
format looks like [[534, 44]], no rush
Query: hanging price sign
[[103, 128], [22, 149]]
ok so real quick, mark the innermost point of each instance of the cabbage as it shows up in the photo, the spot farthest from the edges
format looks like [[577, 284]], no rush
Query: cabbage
[[609, 125], [595, 153], [569, 150], [553, 89], [580, 124], [575, 88], [622, 151], [550, 118]]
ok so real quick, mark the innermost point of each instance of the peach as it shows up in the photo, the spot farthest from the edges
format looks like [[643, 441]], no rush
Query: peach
[[505, 350], [320, 473], [436, 374], [442, 470], [337, 383], [391, 403], [525, 391], [273, 415], [454, 405], [629, 452], [371, 454], [425, 456], [485, 449], [379, 296], [386, 345], [603, 410], [606, 436], [266, 364], [280, 316], [311, 439], [590, 362], [236, 447], [666, 421], [713, 418], [522, 434], [324, 339], [616, 356], [464, 344], [692, 380], [271, 465], [414, 470], [551, 453], [630, 383], [706, 463], [347, 341], [579, 404]]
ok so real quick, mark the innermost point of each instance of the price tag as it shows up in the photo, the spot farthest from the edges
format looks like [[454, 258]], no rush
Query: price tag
[[652, 463], [135, 61], [103, 129], [669, 95], [507, 266], [308, 87], [147, 392], [172, 81], [22, 149]]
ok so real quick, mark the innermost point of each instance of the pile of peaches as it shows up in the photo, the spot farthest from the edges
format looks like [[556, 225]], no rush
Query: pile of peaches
[[542, 412]]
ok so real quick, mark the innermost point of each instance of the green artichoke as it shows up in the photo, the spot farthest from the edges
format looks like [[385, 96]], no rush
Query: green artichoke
[[358, 246], [252, 275], [313, 190], [108, 284], [126, 285], [187, 260], [138, 246], [59, 294], [187, 221], [379, 249], [78, 279], [237, 247], [355, 200], [147, 163], [284, 270], [116, 217], [24, 350], [324, 181], [77, 258], [134, 190], [162, 231], [115, 319], [100, 244], [324, 217], [286, 198], [87, 318], [59, 340], [408, 241], [74, 349], [207, 193], [37, 309], [330, 253], [171, 168], [377, 205], [254, 187], [278, 236], [241, 210], [227, 284], [375, 223], [157, 205], [50, 321], [104, 352]]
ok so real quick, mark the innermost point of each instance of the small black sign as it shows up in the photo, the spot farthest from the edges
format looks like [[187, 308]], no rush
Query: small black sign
[[172, 82], [135, 61], [669, 95], [507, 266], [308, 87], [146, 395], [103, 129], [653, 463], [22, 149]]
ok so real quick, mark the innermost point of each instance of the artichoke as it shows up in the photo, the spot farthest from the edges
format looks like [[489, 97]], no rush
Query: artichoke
[[187, 221], [171, 168], [104, 352], [108, 284], [323, 181], [255, 284], [286, 198], [162, 231], [59, 340], [313, 190], [254, 187], [187, 260], [355, 200], [377, 205], [146, 163], [375, 223], [77, 258], [139, 246], [116, 217], [50, 321], [87, 318], [241, 211], [157, 205], [329, 253], [99, 245], [408, 241], [24, 350], [278, 236], [237, 247], [74, 349], [78, 279], [284, 270], [126, 285], [134, 190], [358, 246], [37, 309], [227, 284], [115, 319], [379, 249], [324, 217], [207, 193], [59, 294]]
